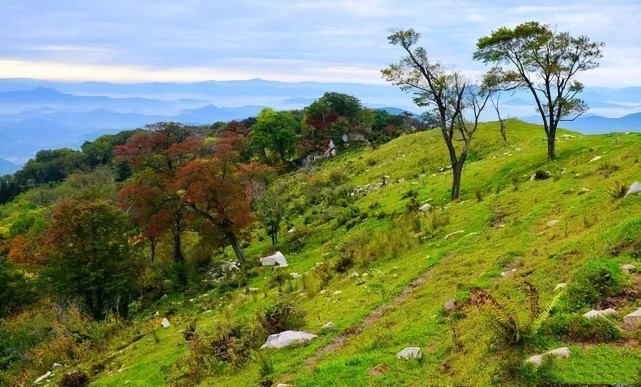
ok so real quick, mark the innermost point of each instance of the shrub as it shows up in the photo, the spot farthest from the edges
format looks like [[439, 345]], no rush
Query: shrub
[[618, 190], [344, 263], [74, 379], [295, 241], [323, 272], [542, 175], [593, 282], [580, 329], [281, 315], [232, 344]]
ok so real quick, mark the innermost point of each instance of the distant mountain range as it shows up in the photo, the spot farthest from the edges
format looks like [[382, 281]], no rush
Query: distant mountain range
[[37, 114], [7, 167]]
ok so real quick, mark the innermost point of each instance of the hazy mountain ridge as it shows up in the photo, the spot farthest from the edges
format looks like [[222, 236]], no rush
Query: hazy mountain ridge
[[37, 114]]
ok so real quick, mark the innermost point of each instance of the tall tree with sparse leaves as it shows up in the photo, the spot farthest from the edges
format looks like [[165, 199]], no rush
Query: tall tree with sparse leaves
[[448, 93], [534, 57]]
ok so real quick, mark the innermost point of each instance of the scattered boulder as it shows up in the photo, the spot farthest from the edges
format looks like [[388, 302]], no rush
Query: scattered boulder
[[425, 207], [409, 353], [552, 223], [628, 268], [43, 377], [165, 323], [277, 259], [633, 319], [596, 158], [599, 313], [287, 338], [561, 286], [635, 188], [328, 327], [537, 360], [449, 305]]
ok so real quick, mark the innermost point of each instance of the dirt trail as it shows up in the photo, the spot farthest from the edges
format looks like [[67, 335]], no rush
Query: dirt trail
[[340, 340]]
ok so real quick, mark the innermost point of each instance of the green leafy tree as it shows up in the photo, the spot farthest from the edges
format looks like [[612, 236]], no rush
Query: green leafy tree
[[533, 57], [89, 256], [15, 290], [275, 132], [448, 93], [271, 210]]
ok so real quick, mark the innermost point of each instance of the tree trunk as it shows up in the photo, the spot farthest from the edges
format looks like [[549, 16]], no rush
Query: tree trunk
[[179, 258], [153, 241], [457, 173], [551, 137], [273, 233], [233, 241]]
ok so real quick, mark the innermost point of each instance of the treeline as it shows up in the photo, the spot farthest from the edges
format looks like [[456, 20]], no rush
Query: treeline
[[92, 223]]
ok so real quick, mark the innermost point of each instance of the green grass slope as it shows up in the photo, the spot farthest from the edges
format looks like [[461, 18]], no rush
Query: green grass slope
[[494, 237]]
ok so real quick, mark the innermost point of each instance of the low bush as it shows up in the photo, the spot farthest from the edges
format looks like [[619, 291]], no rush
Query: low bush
[[573, 327], [74, 379], [593, 282], [281, 315]]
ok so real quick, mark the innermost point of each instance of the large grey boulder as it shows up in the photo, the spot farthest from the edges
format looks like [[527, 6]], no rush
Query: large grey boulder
[[409, 353], [287, 338], [635, 188], [277, 259], [633, 319]]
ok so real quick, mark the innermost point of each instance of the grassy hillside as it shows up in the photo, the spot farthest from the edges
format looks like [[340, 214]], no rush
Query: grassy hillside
[[409, 263]]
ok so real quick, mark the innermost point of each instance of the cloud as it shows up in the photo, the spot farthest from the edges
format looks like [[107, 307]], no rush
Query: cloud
[[320, 40]]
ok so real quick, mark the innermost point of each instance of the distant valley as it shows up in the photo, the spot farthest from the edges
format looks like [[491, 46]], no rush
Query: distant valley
[[38, 115]]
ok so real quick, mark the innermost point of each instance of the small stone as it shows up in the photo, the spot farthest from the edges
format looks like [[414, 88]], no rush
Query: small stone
[[291, 230], [296, 275], [157, 314], [449, 305], [560, 286], [164, 296], [43, 377], [165, 323], [57, 365], [336, 293], [328, 327], [633, 319], [394, 275], [324, 291], [409, 353], [628, 268], [552, 223], [354, 275], [365, 275], [599, 313], [596, 158], [425, 207], [537, 360], [254, 290]]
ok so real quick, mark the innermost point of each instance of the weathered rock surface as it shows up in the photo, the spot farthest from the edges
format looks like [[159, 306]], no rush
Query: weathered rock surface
[[287, 338], [165, 323], [599, 313], [425, 207], [276, 259], [409, 353], [633, 319], [596, 158], [537, 360], [449, 305], [635, 189]]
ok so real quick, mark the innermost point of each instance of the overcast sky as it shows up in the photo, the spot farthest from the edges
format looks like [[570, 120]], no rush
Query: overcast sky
[[306, 40]]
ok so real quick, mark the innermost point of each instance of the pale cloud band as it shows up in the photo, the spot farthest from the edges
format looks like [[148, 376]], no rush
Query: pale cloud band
[[305, 40]]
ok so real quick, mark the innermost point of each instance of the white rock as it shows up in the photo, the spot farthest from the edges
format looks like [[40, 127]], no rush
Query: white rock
[[537, 360], [394, 275], [628, 268], [291, 230], [43, 377], [552, 223], [354, 275], [287, 338], [409, 353], [328, 327], [596, 158], [336, 293], [273, 260], [296, 275], [560, 286], [157, 314], [365, 275], [635, 188], [57, 365], [425, 207], [324, 291], [633, 319], [165, 323], [599, 313], [283, 385], [254, 290]]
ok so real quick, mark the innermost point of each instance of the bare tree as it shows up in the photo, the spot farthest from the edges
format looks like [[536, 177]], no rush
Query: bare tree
[[450, 95]]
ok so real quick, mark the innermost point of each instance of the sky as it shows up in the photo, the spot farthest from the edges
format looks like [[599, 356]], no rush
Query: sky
[[293, 41]]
